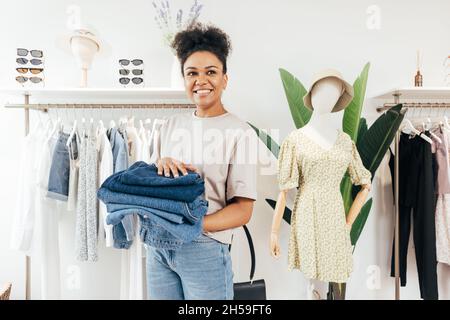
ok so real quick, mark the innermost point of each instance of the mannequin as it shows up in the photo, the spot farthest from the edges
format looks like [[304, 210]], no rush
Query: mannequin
[[324, 94]]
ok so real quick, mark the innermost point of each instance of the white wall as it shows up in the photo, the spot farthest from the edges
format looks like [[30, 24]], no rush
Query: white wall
[[301, 36]]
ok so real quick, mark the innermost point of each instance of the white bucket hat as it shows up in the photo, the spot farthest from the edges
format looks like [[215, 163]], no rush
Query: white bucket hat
[[346, 96], [64, 41]]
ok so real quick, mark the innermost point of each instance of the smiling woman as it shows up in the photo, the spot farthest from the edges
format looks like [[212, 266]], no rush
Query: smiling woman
[[203, 53], [222, 149]]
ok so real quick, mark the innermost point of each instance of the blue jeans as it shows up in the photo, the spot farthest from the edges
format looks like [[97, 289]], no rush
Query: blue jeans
[[119, 149], [184, 231], [190, 210], [113, 217], [58, 180], [143, 174], [200, 270], [186, 193], [182, 221]]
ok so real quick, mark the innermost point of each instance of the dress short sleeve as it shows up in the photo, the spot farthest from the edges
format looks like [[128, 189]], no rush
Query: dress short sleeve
[[359, 175], [288, 172]]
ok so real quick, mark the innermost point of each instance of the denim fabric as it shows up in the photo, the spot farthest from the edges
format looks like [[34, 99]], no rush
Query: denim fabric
[[113, 217], [143, 174], [184, 231], [119, 144], [156, 236], [120, 237], [187, 210], [201, 269], [186, 193], [119, 150], [58, 180]]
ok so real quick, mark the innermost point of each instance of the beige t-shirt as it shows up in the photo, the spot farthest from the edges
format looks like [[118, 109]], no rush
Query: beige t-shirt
[[223, 148]]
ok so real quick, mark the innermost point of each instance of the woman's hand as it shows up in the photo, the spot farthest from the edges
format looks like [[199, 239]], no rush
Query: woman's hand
[[170, 165], [274, 245]]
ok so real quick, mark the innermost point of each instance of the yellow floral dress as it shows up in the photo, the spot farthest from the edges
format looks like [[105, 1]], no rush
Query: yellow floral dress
[[319, 244]]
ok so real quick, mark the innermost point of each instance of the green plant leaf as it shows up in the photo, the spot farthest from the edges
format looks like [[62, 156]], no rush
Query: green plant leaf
[[375, 143], [287, 212], [267, 140], [362, 128], [352, 114], [351, 125], [346, 191], [360, 221], [361, 132], [295, 91]]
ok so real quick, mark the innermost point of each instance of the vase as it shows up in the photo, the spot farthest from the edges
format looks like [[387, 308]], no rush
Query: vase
[[176, 79]]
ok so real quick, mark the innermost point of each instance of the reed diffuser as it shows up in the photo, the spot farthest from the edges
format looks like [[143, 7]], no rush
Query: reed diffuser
[[418, 79]]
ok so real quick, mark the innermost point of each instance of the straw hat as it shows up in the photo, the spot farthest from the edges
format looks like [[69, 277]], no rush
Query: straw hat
[[346, 96], [88, 32]]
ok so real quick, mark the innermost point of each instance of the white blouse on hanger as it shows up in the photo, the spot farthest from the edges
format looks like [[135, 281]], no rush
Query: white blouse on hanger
[[23, 224], [132, 276], [106, 168]]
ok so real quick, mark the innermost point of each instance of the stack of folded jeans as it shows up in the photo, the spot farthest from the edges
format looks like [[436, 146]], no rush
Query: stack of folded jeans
[[170, 210]]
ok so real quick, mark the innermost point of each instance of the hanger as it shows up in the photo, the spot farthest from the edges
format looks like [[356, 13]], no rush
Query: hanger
[[57, 125], [435, 137], [423, 122], [445, 122], [131, 119], [112, 124], [130, 122], [48, 125], [411, 128], [39, 117], [123, 120], [72, 133], [101, 126], [446, 125], [58, 120], [141, 128]]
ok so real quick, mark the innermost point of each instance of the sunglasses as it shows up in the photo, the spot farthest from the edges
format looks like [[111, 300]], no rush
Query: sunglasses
[[134, 80], [136, 62], [22, 79], [34, 53], [32, 70], [136, 72], [25, 61]]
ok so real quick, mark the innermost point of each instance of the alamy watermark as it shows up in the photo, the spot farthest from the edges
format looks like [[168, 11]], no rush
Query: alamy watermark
[[373, 21], [220, 147]]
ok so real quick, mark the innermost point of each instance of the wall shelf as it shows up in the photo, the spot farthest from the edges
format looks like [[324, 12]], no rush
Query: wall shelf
[[96, 95], [435, 93]]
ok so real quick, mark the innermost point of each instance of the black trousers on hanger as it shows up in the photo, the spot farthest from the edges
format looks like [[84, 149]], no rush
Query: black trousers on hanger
[[417, 199]]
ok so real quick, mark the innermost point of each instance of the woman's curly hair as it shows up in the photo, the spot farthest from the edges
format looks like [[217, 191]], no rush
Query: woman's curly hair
[[200, 37]]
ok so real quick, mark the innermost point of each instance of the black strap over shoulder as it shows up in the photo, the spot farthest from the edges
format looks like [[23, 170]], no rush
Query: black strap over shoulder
[[252, 251]]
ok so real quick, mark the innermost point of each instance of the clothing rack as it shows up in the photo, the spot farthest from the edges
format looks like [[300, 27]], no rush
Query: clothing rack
[[409, 94], [159, 94], [47, 106], [432, 105]]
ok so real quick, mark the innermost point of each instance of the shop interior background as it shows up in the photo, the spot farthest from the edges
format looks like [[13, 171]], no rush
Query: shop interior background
[[300, 36]]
